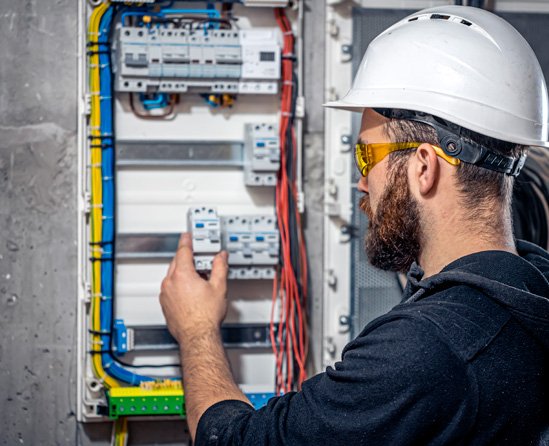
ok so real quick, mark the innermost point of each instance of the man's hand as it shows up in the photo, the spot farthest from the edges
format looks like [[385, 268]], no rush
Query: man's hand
[[194, 309], [191, 304]]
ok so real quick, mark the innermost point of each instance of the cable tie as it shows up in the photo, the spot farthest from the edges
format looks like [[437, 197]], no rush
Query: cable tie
[[97, 205], [288, 33], [292, 83], [99, 333], [101, 259], [284, 113], [101, 243], [94, 52], [101, 136], [95, 295], [95, 166], [98, 342], [96, 42], [289, 56]]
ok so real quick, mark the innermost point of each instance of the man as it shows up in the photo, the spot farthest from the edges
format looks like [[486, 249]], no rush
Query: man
[[450, 98]]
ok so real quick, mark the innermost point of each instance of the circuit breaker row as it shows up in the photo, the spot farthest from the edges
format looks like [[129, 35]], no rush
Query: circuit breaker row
[[175, 60], [252, 242]]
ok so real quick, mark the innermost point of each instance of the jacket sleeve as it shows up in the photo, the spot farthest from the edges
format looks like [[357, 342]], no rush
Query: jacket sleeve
[[397, 383]]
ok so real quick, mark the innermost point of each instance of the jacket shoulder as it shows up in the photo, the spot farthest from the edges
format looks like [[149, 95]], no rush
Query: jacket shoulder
[[463, 317]]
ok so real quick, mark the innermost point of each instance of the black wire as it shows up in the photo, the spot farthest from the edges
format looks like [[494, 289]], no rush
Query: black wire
[[531, 200]]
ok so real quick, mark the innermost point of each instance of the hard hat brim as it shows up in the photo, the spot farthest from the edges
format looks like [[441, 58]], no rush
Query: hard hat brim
[[342, 104]]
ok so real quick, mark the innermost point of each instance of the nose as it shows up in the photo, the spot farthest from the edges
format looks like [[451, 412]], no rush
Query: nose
[[362, 185]]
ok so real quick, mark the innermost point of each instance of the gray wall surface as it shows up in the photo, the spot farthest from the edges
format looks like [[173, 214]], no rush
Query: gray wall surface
[[38, 221]]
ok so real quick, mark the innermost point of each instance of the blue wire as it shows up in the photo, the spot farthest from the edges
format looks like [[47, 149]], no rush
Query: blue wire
[[108, 229], [159, 100], [211, 13]]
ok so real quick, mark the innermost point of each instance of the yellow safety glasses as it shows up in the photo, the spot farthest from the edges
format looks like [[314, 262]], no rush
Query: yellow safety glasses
[[368, 155]]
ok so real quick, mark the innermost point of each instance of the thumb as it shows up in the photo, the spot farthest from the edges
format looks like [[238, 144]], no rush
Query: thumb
[[220, 268]]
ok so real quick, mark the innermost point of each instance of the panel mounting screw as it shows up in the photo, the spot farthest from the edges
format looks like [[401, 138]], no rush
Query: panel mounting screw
[[346, 48], [344, 320]]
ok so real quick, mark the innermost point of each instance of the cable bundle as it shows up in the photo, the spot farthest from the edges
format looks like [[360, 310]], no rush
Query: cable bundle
[[290, 342], [103, 202], [531, 200]]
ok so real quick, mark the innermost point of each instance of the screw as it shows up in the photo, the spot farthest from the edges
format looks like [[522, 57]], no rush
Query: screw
[[344, 320], [346, 49], [345, 139]]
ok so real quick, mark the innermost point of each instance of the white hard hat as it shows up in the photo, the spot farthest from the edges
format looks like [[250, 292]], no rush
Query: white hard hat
[[463, 64]]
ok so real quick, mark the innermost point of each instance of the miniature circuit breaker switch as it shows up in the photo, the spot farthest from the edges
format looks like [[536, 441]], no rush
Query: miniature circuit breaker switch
[[262, 154], [205, 227]]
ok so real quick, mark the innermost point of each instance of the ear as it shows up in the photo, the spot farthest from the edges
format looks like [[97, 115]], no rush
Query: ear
[[426, 169]]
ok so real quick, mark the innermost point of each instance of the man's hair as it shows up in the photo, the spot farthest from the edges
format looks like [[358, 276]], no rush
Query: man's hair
[[479, 188]]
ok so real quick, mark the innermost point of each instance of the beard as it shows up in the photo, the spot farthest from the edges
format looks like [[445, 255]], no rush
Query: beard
[[393, 239]]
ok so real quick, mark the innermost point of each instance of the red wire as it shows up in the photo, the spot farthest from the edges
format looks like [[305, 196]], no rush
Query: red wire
[[292, 308]]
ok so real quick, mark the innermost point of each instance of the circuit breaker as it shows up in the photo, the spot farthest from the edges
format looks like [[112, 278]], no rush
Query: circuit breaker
[[205, 227], [262, 151], [253, 246]]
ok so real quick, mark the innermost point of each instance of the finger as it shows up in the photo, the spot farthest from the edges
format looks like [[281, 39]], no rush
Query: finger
[[185, 240], [220, 269], [184, 255], [171, 268]]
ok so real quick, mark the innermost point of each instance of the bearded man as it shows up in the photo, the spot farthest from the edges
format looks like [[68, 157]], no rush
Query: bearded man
[[450, 99]]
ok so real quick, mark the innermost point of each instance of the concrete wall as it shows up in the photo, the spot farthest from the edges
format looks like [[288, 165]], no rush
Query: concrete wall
[[38, 75], [37, 221]]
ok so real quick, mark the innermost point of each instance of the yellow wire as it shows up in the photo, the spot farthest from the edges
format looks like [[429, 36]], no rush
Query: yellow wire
[[121, 432], [96, 192]]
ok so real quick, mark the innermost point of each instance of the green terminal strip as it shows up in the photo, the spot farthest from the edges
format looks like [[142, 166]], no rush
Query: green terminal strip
[[140, 402]]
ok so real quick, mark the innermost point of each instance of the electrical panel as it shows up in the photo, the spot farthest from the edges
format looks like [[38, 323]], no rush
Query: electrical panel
[[151, 60], [182, 107]]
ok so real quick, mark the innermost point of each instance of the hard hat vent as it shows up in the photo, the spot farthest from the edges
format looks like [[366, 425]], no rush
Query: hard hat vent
[[439, 17], [449, 18]]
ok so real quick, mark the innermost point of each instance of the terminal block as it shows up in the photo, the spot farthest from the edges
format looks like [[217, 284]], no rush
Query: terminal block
[[151, 398], [159, 398], [205, 227], [262, 152], [174, 60], [253, 244], [251, 272]]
